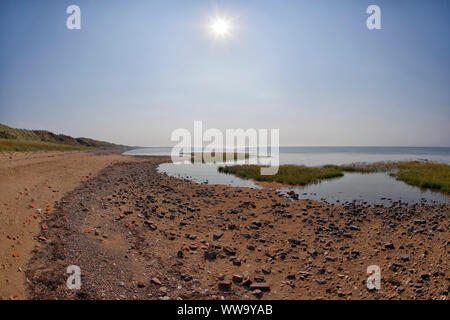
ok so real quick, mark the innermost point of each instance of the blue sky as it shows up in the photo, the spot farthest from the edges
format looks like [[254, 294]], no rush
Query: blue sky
[[137, 70]]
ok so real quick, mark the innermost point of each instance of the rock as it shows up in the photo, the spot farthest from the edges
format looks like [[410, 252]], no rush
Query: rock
[[404, 257], [141, 284], [156, 281], [217, 235], [210, 254], [186, 277], [229, 251], [266, 270], [225, 285], [263, 286], [294, 241], [257, 293], [389, 245], [232, 226], [321, 281], [247, 282], [163, 291], [425, 275], [356, 253], [237, 278]]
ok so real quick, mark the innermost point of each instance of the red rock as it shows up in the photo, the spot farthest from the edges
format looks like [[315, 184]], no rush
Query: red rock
[[260, 286], [141, 284], [257, 293], [225, 285], [247, 282], [156, 281]]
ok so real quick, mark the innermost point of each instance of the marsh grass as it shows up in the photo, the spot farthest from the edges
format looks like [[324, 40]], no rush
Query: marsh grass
[[205, 157], [424, 174], [287, 174]]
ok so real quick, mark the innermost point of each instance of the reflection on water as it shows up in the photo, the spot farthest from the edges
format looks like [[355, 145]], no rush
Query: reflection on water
[[203, 173], [374, 188]]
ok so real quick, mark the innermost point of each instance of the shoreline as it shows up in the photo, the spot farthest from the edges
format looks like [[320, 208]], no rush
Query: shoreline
[[30, 184], [139, 234]]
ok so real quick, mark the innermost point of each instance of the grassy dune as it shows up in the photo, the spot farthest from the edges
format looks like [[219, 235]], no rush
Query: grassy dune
[[12, 139], [422, 174], [18, 145]]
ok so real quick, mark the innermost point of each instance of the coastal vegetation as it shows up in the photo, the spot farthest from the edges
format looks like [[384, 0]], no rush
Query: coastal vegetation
[[287, 174], [424, 174], [12, 140]]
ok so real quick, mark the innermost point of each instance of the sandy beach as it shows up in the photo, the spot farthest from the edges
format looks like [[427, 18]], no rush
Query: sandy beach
[[139, 234], [30, 183]]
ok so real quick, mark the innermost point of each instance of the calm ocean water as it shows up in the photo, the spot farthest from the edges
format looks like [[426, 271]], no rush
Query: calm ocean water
[[315, 156], [376, 188]]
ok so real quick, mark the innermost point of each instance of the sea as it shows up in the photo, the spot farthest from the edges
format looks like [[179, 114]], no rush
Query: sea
[[372, 188]]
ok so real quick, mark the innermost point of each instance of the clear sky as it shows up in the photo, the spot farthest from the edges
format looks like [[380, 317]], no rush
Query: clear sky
[[138, 69]]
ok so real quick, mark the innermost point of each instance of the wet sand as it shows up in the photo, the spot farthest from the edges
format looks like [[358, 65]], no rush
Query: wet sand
[[138, 234]]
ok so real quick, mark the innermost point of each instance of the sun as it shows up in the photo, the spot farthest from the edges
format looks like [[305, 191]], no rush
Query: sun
[[220, 27]]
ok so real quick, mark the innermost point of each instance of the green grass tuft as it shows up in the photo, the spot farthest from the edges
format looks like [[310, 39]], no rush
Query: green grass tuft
[[425, 175], [287, 174], [422, 174]]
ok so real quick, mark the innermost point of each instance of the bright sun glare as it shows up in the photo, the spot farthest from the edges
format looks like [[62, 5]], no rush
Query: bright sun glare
[[220, 27]]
